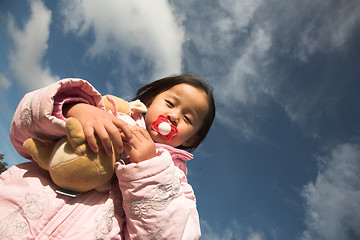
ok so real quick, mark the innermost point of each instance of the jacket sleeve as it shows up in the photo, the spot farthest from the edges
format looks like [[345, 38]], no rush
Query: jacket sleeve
[[39, 113], [158, 201]]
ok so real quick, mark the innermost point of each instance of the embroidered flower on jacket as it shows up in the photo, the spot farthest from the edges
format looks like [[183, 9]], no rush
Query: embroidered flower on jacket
[[164, 194], [26, 116]]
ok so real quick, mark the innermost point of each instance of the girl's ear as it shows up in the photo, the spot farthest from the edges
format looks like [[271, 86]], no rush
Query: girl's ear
[[191, 141]]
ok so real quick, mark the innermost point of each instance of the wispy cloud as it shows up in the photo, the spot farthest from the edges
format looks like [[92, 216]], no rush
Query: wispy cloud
[[330, 27], [243, 81], [30, 45], [300, 29], [241, 46], [4, 83], [141, 28], [333, 200], [238, 93], [227, 45], [234, 231]]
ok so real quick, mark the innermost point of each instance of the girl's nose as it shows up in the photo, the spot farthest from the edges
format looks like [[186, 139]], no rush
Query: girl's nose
[[172, 118]]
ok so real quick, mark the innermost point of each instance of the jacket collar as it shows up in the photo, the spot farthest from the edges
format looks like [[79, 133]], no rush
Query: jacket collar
[[176, 154]]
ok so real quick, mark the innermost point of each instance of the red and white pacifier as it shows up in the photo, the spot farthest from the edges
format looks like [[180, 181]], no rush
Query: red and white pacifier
[[167, 131]]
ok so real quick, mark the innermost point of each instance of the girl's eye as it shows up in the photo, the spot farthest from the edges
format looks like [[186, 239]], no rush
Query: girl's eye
[[187, 119], [169, 103]]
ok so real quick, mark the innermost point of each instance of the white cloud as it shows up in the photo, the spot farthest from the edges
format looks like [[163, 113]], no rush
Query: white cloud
[[214, 29], [300, 29], [333, 200], [230, 48], [129, 26], [234, 231], [244, 84], [30, 47], [244, 73], [239, 46], [330, 27], [4, 83], [241, 13]]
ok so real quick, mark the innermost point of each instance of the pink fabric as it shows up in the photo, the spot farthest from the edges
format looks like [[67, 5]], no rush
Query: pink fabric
[[148, 200], [29, 209], [34, 116]]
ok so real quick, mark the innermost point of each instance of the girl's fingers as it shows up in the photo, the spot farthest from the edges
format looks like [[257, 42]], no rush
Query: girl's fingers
[[91, 140], [145, 133], [122, 135], [127, 147], [104, 138], [107, 131], [141, 147], [141, 135], [115, 137], [137, 134], [124, 128]]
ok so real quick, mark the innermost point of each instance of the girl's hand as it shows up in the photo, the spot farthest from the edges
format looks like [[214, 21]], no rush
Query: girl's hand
[[95, 121], [141, 147]]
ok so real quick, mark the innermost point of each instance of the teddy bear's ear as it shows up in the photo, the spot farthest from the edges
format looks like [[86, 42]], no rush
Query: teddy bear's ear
[[138, 106], [108, 105], [116, 104]]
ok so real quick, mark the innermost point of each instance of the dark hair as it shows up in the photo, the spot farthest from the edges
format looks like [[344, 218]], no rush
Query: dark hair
[[147, 93]]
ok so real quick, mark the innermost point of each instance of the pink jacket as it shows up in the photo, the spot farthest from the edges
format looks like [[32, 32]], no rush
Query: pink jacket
[[148, 200]]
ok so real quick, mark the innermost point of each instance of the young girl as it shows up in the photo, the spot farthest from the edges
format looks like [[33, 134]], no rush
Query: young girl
[[150, 198]]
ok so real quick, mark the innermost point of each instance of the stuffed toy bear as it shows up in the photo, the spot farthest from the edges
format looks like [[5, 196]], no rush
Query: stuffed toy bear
[[70, 161]]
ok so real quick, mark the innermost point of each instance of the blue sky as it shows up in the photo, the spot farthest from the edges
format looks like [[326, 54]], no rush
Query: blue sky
[[282, 160]]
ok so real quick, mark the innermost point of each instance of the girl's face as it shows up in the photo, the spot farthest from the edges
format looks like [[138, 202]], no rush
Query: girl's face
[[185, 107]]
